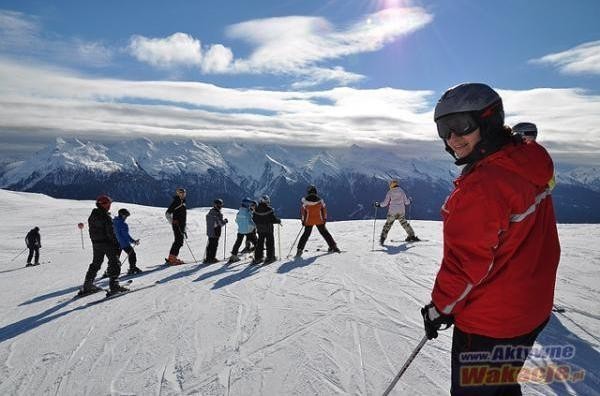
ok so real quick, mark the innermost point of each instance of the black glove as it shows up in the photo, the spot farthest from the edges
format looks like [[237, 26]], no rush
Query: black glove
[[225, 221], [376, 204], [433, 320]]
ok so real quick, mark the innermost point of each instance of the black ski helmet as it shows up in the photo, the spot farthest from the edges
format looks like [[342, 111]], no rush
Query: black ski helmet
[[525, 129], [218, 202], [124, 213], [469, 97], [265, 199], [311, 189], [486, 109]]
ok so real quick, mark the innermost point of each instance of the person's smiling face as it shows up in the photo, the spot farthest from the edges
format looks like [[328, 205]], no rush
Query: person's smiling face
[[463, 145]]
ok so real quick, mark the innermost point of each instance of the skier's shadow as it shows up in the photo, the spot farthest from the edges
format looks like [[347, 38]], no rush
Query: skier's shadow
[[182, 274], [236, 277], [584, 360], [221, 270], [56, 293], [403, 247], [24, 325], [297, 263], [101, 283]]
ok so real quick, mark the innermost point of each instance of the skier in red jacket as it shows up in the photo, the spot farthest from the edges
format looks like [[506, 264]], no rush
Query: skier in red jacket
[[501, 249]]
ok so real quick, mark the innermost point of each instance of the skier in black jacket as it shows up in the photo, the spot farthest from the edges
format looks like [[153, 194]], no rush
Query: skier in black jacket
[[264, 218], [104, 242], [176, 215], [33, 240], [214, 224]]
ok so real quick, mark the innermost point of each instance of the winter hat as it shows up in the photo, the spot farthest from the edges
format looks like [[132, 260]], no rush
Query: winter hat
[[36, 228], [180, 190], [246, 202], [265, 199], [393, 183], [311, 189], [103, 201], [124, 212]]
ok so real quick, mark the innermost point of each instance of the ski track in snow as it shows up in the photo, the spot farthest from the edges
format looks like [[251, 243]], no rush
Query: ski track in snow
[[327, 324]]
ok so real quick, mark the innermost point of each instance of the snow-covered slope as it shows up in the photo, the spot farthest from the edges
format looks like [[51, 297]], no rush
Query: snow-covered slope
[[326, 325]]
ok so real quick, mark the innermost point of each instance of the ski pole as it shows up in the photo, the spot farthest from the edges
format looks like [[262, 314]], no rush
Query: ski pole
[[184, 235], [225, 243], [22, 251], [294, 243], [403, 369], [279, 239], [374, 220]]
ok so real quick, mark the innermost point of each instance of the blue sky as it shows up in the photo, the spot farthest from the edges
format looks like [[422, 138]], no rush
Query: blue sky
[[319, 73]]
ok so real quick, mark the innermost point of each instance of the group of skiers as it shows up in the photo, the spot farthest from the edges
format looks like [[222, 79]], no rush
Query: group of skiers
[[501, 248], [252, 218]]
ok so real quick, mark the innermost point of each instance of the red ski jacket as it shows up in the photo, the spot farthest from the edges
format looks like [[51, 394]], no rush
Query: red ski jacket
[[501, 247]]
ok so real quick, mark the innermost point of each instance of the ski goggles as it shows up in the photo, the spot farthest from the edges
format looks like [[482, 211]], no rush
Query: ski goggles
[[460, 124]]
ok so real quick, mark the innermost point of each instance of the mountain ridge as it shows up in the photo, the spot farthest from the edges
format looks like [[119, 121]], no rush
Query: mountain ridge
[[349, 179]]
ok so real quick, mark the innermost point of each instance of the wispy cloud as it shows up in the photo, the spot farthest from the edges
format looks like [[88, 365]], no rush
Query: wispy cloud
[[583, 59], [58, 102], [294, 46], [23, 34]]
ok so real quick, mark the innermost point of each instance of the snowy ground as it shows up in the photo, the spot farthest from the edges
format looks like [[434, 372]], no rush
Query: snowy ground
[[325, 325]]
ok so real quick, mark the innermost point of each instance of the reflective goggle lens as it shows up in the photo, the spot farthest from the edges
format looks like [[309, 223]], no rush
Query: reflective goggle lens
[[460, 124]]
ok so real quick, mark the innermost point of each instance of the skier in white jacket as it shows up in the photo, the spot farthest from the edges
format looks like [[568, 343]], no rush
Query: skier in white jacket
[[395, 200]]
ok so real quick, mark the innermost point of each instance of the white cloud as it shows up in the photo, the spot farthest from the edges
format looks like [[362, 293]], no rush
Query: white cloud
[[583, 59], [300, 45], [217, 59], [297, 46], [34, 99], [178, 49]]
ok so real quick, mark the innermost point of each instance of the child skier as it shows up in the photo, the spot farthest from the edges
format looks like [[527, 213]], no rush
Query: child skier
[[125, 240], [33, 240], [214, 222], [314, 213], [264, 218], [395, 199], [246, 229]]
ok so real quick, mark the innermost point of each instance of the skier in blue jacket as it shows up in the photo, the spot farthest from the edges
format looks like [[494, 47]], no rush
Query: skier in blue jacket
[[125, 240], [246, 228]]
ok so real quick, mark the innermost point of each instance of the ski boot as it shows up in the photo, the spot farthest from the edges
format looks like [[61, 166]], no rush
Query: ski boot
[[256, 261], [269, 260], [88, 288], [173, 260], [115, 287], [412, 238], [334, 249], [28, 265], [298, 254], [233, 259], [134, 270]]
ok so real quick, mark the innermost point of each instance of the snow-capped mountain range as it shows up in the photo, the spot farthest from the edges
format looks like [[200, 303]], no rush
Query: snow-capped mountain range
[[147, 172]]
